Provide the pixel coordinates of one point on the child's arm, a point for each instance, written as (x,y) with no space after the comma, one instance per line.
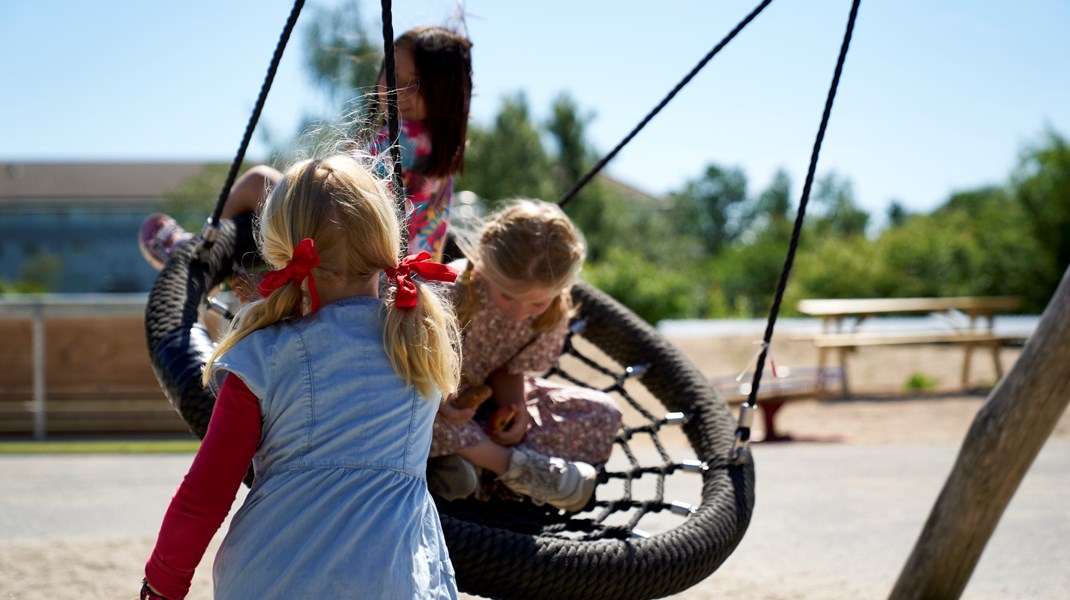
(508,387)
(206,494)
(510,396)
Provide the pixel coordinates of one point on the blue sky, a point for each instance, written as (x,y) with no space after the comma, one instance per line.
(935,97)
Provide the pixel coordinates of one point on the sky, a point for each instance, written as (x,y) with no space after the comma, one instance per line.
(934,98)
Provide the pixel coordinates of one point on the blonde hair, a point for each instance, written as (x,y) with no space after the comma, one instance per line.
(525,242)
(353,223)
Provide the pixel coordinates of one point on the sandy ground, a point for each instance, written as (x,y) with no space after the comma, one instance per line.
(832,520)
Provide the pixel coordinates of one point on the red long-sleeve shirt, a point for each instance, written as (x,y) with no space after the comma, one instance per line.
(206,494)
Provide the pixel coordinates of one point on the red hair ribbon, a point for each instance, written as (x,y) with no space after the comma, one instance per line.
(299,268)
(421,265)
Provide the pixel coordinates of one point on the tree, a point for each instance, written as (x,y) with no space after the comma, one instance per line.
(604,216)
(774,204)
(192,201)
(508,159)
(652,292)
(897,214)
(568,128)
(840,214)
(1006,257)
(713,207)
(341,58)
(1041,184)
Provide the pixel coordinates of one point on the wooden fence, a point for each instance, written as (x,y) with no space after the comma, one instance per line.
(78,365)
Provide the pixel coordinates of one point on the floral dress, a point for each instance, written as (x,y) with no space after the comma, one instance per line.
(570,422)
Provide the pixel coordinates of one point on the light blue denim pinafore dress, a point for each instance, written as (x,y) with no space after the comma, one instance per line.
(339,507)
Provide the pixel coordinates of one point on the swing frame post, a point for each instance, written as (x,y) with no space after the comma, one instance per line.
(1001,444)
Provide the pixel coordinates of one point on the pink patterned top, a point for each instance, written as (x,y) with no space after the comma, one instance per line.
(429,197)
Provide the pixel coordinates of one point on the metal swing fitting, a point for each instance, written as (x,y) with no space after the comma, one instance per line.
(215,305)
(694,466)
(209,235)
(742,441)
(675,418)
(682,508)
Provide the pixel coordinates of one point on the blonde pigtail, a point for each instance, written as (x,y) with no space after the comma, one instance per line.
(468,302)
(423,342)
(284,303)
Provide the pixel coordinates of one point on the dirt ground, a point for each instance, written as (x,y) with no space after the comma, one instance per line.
(833,520)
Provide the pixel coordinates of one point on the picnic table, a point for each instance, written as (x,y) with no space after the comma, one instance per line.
(969,324)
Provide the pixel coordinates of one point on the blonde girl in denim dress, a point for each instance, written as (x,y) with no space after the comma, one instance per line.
(329,388)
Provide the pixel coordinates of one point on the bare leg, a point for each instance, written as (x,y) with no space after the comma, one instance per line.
(250,191)
(488,455)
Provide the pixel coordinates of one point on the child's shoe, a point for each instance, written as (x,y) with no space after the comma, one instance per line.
(451,477)
(158,237)
(561,483)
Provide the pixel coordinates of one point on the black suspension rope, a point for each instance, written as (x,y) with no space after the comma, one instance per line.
(232,175)
(567,197)
(743,434)
(392,116)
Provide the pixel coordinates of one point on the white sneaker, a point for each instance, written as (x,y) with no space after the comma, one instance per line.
(451,477)
(566,485)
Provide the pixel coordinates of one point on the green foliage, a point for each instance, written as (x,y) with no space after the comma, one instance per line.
(652,292)
(773,206)
(192,201)
(1041,185)
(568,129)
(897,214)
(21,287)
(40,274)
(833,268)
(508,159)
(745,276)
(711,249)
(838,213)
(712,208)
(919,382)
(340,56)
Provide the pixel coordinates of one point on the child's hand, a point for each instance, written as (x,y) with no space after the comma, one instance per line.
(508,425)
(457,416)
(471,396)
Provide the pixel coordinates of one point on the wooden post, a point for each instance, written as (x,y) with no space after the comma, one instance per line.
(1001,444)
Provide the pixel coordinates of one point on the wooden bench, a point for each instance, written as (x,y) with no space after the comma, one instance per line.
(773,392)
(841,330)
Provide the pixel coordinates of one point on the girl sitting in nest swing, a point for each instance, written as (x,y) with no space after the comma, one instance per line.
(513,302)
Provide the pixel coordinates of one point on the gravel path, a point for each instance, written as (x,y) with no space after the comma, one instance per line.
(832,521)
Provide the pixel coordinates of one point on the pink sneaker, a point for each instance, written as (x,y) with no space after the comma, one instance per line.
(158,237)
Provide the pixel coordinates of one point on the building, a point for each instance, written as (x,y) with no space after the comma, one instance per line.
(74,225)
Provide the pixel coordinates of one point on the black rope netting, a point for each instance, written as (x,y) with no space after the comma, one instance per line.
(603,550)
(516,549)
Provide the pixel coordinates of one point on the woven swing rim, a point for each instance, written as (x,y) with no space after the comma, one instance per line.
(489,560)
